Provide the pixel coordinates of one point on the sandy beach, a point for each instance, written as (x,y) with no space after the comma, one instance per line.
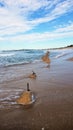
(53,87)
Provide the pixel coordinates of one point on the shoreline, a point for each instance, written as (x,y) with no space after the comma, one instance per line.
(53,87)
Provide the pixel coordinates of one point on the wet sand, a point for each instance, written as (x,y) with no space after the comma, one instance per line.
(53,109)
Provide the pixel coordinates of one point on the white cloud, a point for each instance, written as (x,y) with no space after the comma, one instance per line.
(46,36)
(67,28)
(60,9)
(14,16)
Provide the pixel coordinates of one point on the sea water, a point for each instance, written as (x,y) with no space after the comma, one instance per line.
(14,57)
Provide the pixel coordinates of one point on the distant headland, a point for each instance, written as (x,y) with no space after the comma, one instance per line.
(69,46)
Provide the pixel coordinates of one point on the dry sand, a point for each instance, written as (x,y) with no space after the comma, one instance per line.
(53,109)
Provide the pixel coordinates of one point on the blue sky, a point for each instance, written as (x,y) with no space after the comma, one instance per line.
(35,24)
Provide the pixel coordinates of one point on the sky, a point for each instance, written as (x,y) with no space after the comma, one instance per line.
(35,24)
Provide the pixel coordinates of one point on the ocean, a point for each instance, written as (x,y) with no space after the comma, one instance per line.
(15,57)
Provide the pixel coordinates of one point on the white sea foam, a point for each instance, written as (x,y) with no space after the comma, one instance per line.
(10,100)
(60,55)
(14,90)
(36,61)
(9,97)
(7,54)
(13,103)
(64,52)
